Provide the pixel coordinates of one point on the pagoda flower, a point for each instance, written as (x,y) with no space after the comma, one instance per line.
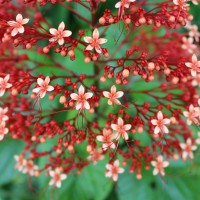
(191,115)
(121,129)
(30,168)
(57,177)
(181,3)
(94,41)
(188,44)
(159,165)
(81,97)
(113,95)
(95,156)
(3,116)
(113,170)
(194,65)
(21,162)
(187,149)
(106,138)
(43,87)
(160,123)
(60,34)
(18,25)
(4,84)
(3,130)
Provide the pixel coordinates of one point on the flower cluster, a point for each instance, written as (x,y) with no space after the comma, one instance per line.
(100,87)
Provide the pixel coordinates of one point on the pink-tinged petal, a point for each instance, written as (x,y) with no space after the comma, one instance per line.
(160,115)
(108,174)
(112,145)
(131,1)
(87,39)
(120,170)
(193,72)
(184,155)
(120,121)
(8,85)
(86,105)
(166,121)
(110,102)
(81,90)
(117,102)
(194,58)
(155,171)
(61,41)
(109,166)
(78,106)
(67,33)
(98,49)
(154,121)
(25,21)
(118,4)
(12,23)
(194,147)
(153,163)
(185,113)
(6,131)
(19,18)
(74,96)
(58,184)
(106,94)
(40,81)
(102,40)
(126,5)
(119,94)
(95,34)
(7,77)
(160,158)
(53,39)
(189,141)
(162,172)
(116,163)
(36,90)
(61,26)
(2,91)
(51,182)
(53,31)
(14,32)
(127,127)
(156,130)
(115,177)
(51,173)
(89,48)
(1,137)
(47,80)
(113,89)
(50,88)
(125,135)
(191,155)
(165,164)
(42,94)
(21,29)
(99,138)
(63,176)
(88,95)
(188,64)
(114,126)
(165,129)
(182,145)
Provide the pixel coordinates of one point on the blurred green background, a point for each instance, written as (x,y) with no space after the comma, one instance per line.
(182,181)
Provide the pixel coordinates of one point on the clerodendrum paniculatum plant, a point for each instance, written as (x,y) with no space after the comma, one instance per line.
(99,77)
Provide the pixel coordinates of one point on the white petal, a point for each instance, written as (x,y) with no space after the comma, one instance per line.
(96,33)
